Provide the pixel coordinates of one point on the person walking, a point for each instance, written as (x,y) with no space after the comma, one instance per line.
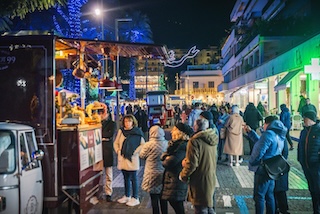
(308,156)
(127,145)
(252,118)
(234,140)
(224,116)
(195,113)
(285,118)
(174,190)
(199,167)
(108,132)
(308,107)
(270,144)
(153,170)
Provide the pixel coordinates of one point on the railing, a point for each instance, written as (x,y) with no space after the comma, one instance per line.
(196,91)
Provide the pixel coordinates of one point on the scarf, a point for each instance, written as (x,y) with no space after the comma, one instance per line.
(132,141)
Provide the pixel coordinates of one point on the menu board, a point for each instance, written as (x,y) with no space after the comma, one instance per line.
(90,147)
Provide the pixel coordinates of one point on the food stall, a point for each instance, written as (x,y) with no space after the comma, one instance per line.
(37,73)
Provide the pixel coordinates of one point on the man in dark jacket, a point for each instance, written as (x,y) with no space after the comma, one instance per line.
(309,157)
(252,117)
(108,131)
(270,144)
(199,167)
(308,107)
(285,118)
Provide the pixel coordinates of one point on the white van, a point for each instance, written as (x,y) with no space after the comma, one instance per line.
(21,182)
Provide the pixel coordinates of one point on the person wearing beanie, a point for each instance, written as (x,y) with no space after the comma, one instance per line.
(285,118)
(174,190)
(308,156)
(234,140)
(199,167)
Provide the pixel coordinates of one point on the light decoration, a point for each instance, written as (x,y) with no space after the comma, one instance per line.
(71,17)
(132,89)
(173,63)
(313,69)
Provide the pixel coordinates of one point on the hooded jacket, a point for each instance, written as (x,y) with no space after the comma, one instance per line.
(151,152)
(200,168)
(270,144)
(285,117)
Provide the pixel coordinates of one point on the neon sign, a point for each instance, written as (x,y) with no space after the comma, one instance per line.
(313,69)
(173,63)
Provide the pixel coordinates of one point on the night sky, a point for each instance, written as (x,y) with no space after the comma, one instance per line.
(185,23)
(182,24)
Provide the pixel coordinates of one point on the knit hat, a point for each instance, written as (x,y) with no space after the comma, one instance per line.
(311,115)
(207,115)
(235,109)
(185,128)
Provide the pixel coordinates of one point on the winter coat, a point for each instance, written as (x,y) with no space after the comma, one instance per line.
(124,163)
(194,115)
(234,139)
(309,146)
(252,116)
(108,131)
(142,119)
(200,168)
(151,152)
(173,188)
(270,144)
(285,117)
(282,184)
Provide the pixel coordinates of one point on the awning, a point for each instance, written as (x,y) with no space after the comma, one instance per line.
(282,85)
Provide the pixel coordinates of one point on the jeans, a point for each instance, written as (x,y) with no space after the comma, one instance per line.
(130,177)
(203,210)
(289,138)
(263,193)
(220,148)
(312,174)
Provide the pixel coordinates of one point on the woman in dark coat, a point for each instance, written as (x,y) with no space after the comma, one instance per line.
(174,190)
(108,131)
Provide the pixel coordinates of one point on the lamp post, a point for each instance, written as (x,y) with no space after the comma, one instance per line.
(117,68)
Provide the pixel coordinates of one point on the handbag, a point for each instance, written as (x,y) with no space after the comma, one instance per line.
(223,131)
(276,166)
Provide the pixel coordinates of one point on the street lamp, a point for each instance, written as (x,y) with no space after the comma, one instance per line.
(117,68)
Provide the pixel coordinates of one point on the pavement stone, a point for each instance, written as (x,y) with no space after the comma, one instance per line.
(233,192)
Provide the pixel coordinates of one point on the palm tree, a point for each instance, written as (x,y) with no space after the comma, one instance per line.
(20,8)
(136,31)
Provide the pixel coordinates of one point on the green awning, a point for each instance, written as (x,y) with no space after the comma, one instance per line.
(282,85)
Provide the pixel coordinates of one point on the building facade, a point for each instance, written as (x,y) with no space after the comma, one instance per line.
(199,84)
(264,57)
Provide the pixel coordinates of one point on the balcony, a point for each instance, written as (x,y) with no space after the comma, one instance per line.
(196,91)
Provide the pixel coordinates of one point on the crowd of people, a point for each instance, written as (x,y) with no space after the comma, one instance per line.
(184,167)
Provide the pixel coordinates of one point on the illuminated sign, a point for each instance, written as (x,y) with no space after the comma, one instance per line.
(173,63)
(313,69)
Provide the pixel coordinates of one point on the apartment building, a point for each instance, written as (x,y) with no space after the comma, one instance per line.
(264,57)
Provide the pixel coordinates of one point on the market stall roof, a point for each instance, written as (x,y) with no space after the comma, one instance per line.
(112,48)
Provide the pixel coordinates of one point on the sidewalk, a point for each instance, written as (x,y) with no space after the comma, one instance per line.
(233,192)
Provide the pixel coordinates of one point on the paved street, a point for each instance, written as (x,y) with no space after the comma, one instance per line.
(233,192)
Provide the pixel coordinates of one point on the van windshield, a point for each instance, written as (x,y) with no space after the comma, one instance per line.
(7,152)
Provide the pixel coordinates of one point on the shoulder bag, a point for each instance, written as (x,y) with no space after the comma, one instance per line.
(276,166)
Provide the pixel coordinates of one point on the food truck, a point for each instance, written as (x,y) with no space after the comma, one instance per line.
(36,106)
(157,108)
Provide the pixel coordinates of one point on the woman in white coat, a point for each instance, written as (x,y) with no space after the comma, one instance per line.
(127,145)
